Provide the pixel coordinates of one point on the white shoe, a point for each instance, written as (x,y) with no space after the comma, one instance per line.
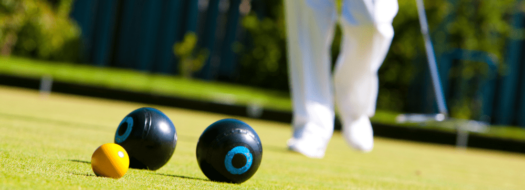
(358,133)
(309,147)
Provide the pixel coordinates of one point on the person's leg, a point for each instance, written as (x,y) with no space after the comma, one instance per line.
(367,34)
(310,25)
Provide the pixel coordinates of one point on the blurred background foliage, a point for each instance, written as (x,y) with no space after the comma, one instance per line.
(42,29)
(39,29)
(191,59)
(479,25)
(263,55)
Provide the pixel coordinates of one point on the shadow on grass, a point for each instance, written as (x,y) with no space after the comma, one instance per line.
(169,175)
(83,174)
(180,176)
(80,161)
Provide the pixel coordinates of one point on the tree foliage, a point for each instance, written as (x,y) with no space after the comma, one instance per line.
(190,60)
(38,28)
(263,55)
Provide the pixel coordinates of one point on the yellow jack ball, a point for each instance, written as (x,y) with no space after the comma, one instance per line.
(110,160)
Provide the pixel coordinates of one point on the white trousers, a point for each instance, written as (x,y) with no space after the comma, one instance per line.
(367,34)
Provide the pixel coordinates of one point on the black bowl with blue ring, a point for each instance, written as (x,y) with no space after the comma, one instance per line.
(149,137)
(229,150)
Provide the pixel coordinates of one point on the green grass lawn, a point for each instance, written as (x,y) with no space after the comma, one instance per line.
(46,143)
(133,80)
(189,88)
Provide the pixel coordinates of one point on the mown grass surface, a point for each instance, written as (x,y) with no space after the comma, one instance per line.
(190,88)
(46,143)
(133,80)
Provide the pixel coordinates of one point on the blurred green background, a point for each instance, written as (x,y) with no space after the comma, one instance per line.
(241,45)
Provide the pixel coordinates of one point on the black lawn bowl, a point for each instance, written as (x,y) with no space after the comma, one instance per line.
(148,136)
(229,150)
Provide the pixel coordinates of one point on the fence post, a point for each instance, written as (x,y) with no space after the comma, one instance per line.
(508,84)
(103,33)
(126,35)
(170,32)
(207,39)
(84,12)
(149,32)
(227,63)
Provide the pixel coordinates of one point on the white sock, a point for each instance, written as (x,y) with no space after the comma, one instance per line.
(358,133)
(308,146)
